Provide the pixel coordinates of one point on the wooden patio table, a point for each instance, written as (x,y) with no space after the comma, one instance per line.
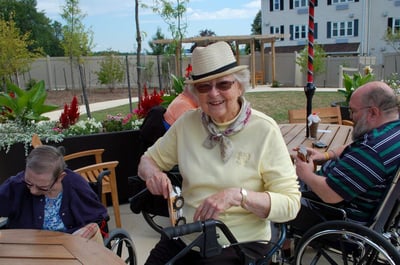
(332,135)
(34,247)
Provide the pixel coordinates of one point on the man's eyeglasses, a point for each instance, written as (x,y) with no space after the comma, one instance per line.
(221,85)
(43,189)
(351,111)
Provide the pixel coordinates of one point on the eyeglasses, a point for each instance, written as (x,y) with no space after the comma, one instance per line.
(206,87)
(351,111)
(30,185)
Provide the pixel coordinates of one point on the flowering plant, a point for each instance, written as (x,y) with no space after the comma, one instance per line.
(120,123)
(147,101)
(351,83)
(70,115)
(12,132)
(394,81)
(21,131)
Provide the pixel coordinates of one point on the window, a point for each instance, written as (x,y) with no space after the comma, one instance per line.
(300,3)
(396,25)
(300,32)
(277,30)
(341,1)
(277,5)
(342,29)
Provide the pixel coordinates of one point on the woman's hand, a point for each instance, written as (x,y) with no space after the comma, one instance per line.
(157,181)
(159,184)
(217,203)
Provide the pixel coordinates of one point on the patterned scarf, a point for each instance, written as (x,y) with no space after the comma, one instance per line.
(216,136)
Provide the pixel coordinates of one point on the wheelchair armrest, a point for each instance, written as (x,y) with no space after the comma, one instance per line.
(3,222)
(328,211)
(99,183)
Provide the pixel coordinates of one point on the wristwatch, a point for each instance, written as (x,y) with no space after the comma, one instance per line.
(243,192)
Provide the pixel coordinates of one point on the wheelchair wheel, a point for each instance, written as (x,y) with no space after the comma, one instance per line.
(119,242)
(157,222)
(341,242)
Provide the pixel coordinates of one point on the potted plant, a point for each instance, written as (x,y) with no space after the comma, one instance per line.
(178,85)
(21,117)
(351,83)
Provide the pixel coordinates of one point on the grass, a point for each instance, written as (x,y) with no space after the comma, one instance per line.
(274,104)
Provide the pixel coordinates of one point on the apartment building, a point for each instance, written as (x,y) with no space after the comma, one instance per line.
(342,27)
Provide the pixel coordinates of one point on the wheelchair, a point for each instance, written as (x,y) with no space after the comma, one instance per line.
(117,240)
(346,242)
(334,241)
(153,208)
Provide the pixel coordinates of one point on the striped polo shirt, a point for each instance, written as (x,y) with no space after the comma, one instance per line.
(362,173)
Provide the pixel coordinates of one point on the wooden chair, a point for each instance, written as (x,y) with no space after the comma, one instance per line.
(92,172)
(259,78)
(348,122)
(328,115)
(96,153)
(104,174)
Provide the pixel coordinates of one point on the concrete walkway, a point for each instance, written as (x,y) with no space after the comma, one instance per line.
(55,115)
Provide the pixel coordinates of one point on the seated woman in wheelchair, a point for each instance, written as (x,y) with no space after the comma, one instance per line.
(233,160)
(47,195)
(357,176)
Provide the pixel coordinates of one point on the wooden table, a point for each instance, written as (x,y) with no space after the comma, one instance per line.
(34,247)
(332,135)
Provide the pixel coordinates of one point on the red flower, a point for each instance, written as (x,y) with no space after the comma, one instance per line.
(188,70)
(148,101)
(70,115)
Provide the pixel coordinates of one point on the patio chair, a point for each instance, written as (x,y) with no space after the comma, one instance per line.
(105,179)
(330,115)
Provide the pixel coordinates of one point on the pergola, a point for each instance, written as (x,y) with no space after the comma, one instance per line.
(237,40)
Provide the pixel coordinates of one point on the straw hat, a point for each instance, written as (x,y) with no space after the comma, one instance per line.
(213,61)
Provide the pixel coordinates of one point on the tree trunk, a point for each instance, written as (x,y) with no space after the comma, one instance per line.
(138,51)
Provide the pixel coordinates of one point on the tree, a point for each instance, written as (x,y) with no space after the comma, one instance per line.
(138,51)
(29,20)
(202,33)
(392,38)
(255,30)
(111,71)
(158,49)
(15,56)
(77,40)
(318,63)
(172,15)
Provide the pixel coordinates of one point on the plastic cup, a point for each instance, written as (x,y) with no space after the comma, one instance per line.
(314,130)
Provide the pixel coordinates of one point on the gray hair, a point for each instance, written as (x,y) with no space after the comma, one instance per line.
(243,77)
(45,159)
(384,99)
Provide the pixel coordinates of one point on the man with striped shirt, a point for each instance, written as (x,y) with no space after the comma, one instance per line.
(356,176)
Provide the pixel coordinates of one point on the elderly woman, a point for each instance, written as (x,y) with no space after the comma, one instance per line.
(234,162)
(47,195)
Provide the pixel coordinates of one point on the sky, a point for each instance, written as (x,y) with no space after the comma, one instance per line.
(113,21)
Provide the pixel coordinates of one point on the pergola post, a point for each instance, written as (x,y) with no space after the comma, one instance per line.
(253,63)
(262,61)
(273,61)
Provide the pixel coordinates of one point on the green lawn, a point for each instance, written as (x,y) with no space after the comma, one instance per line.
(275,104)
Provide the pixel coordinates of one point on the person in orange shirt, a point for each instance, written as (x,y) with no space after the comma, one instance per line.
(183,102)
